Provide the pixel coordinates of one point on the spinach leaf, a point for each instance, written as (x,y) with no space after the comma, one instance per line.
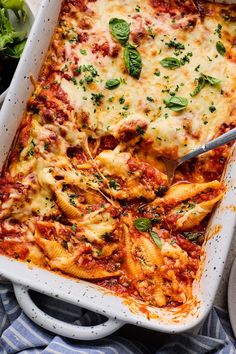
(171,63)
(156,239)
(133,61)
(176,103)
(142,224)
(220,48)
(112,83)
(120,30)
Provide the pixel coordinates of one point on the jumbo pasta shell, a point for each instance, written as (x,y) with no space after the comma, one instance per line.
(61,259)
(183,191)
(70,211)
(194,216)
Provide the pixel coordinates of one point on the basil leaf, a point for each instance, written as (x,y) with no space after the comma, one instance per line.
(176,103)
(201,83)
(113,83)
(133,61)
(220,48)
(120,30)
(171,63)
(211,80)
(142,224)
(156,239)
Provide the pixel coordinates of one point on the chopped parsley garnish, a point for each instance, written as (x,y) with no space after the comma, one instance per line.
(212,108)
(114,185)
(72,200)
(83,51)
(150,99)
(31,148)
(74,227)
(97,98)
(175,45)
(218,30)
(122,100)
(157,72)
(137,8)
(73,79)
(140,130)
(151,33)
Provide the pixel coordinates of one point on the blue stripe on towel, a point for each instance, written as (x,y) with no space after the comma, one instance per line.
(18,334)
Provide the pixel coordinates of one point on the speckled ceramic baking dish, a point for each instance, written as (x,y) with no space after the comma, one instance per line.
(118,310)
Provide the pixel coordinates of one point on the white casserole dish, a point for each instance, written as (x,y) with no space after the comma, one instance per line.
(80,292)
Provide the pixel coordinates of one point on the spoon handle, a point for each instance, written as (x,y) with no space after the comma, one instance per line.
(221,140)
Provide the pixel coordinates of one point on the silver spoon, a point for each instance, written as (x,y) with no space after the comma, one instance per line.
(171,165)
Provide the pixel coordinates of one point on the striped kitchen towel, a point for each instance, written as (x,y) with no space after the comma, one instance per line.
(18,334)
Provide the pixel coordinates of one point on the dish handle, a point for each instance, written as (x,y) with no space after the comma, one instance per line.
(59,327)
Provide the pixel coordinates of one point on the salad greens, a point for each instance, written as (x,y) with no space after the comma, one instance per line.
(11,42)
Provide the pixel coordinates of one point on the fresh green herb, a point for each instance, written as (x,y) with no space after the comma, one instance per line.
(97,98)
(157,72)
(142,224)
(175,45)
(176,103)
(46,146)
(74,227)
(151,33)
(83,51)
(73,79)
(220,48)
(112,83)
(140,130)
(150,99)
(186,59)
(31,148)
(202,81)
(197,68)
(137,8)
(171,63)
(218,30)
(120,30)
(192,236)
(156,239)
(99,252)
(122,100)
(212,108)
(133,61)
(114,185)
(71,200)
